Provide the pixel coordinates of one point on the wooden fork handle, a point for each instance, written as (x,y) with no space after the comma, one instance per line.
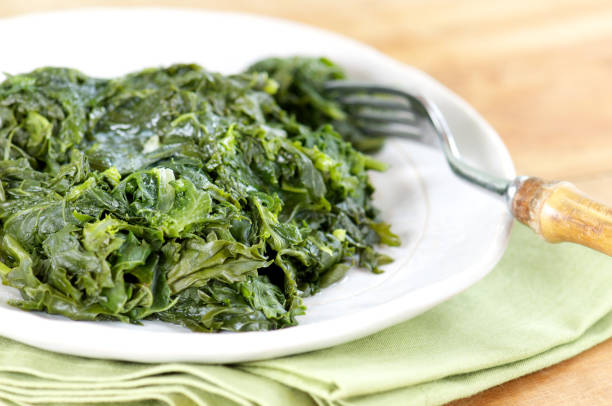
(558,211)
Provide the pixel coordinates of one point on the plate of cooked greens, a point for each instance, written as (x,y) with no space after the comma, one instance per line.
(181,188)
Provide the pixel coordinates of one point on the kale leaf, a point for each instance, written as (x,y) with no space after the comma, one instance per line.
(214,202)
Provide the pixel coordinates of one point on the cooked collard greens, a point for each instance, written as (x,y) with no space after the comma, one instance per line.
(176,194)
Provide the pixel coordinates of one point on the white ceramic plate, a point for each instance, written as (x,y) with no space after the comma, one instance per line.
(452,233)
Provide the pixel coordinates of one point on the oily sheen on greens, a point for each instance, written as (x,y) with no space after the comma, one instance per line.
(214,202)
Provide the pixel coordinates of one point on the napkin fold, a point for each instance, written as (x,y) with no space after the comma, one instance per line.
(541,304)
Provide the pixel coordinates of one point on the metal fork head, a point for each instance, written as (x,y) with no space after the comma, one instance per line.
(380,111)
(390,112)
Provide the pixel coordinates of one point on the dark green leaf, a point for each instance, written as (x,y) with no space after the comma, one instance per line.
(214,202)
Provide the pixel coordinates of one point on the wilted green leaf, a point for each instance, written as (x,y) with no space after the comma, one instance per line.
(214,202)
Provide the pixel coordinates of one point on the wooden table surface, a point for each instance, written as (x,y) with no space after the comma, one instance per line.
(539,71)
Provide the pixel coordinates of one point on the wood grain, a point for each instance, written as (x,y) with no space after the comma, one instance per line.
(539,71)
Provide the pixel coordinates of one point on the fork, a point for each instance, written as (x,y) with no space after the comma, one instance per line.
(557,211)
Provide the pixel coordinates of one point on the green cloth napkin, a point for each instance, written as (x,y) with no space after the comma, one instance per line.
(542,304)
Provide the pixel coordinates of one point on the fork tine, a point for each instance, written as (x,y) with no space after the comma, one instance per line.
(384,118)
(386,130)
(355,87)
(368,101)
